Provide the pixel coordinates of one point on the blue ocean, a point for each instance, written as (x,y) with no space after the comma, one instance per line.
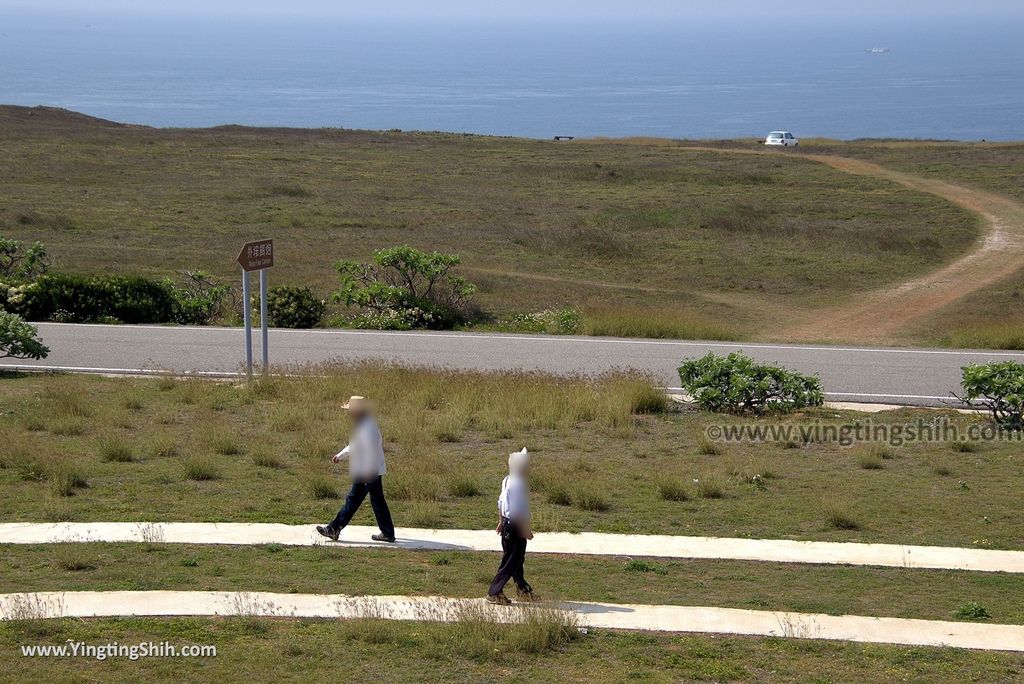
(943,79)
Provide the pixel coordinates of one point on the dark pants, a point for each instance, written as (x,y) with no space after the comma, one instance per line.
(375,488)
(513,546)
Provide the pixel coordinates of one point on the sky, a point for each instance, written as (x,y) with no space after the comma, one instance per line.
(537,9)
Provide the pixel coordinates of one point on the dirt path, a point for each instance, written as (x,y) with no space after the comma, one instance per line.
(877,315)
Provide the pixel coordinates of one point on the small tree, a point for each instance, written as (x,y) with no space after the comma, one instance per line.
(198,299)
(19,340)
(415,289)
(20,262)
(735,384)
(999,389)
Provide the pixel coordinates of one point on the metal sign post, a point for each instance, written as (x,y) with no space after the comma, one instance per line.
(256,256)
(264,327)
(247,317)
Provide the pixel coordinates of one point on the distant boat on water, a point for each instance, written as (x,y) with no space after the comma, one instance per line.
(877,50)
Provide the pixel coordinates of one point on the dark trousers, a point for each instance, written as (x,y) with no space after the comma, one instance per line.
(513,546)
(375,488)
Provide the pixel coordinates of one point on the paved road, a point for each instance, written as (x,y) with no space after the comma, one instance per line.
(879,375)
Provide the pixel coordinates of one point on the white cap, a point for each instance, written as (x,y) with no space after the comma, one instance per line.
(518,461)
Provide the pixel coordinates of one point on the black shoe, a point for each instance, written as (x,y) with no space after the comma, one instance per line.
(328,531)
(498,599)
(382,538)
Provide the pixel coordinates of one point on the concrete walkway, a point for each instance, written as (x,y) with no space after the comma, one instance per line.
(599,615)
(588,543)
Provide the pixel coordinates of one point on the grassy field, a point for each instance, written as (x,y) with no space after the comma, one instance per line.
(645,237)
(609,457)
(313,650)
(610,454)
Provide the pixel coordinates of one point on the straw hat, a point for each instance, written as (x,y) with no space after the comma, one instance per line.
(356,405)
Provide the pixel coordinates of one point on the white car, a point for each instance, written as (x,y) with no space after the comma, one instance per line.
(782,138)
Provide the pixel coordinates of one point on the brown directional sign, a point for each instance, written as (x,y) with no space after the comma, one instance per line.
(256,256)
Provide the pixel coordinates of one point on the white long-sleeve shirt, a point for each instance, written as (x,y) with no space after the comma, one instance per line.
(514,501)
(365,451)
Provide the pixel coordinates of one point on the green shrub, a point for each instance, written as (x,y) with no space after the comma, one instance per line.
(76,299)
(972,611)
(735,384)
(19,340)
(294,307)
(999,389)
(406,288)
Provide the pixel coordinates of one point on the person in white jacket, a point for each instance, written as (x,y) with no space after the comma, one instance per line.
(365,454)
(515,528)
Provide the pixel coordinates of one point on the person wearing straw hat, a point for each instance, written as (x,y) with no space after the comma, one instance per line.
(365,454)
(515,528)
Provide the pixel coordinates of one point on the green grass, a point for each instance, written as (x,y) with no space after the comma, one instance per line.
(645,238)
(331,650)
(603,460)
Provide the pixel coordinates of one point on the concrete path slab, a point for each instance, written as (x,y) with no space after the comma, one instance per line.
(587,543)
(598,615)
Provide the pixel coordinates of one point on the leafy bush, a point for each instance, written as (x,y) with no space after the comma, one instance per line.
(972,611)
(294,307)
(73,298)
(999,389)
(18,262)
(19,340)
(406,288)
(198,299)
(735,384)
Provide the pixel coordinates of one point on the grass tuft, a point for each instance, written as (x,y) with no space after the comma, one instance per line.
(868,459)
(710,488)
(838,517)
(673,490)
(637,565)
(322,487)
(66,479)
(200,470)
(463,486)
(114,449)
